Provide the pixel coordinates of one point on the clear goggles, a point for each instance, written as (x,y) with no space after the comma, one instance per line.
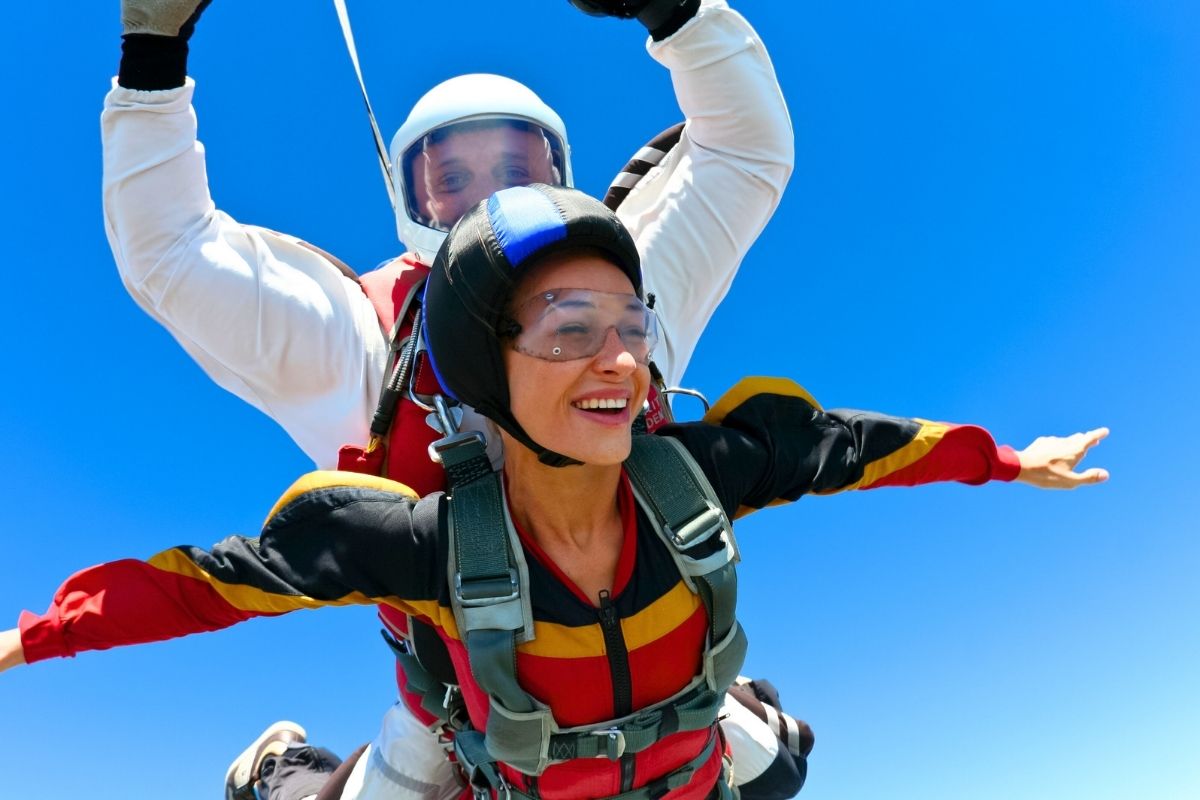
(454,166)
(567,324)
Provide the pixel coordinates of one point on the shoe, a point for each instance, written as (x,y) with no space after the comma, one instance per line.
(246,769)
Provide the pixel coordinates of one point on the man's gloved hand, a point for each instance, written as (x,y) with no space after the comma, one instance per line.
(625,9)
(661,17)
(154,46)
(174,18)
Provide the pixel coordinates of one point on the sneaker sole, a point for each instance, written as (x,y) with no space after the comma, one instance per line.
(238,776)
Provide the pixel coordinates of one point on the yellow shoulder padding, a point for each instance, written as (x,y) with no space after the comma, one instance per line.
(746,388)
(329,478)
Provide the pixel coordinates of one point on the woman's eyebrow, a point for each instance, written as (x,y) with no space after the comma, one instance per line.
(573,303)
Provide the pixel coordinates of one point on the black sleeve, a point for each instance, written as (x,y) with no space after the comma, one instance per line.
(333,539)
(768,440)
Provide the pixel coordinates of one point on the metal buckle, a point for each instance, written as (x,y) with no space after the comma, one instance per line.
(615,743)
(504,790)
(476,592)
(699,528)
(439,446)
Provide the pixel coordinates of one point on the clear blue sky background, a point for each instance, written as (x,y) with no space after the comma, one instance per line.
(993,219)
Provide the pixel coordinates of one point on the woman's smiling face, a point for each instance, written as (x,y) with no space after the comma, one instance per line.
(582,408)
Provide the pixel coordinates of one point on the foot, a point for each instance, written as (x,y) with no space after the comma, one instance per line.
(246,769)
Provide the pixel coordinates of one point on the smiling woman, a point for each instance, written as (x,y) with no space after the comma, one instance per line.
(586,596)
(583,362)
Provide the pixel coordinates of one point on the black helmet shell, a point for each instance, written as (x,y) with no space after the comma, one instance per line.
(473,276)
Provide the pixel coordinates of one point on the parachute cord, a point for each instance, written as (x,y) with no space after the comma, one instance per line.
(385,163)
(392,392)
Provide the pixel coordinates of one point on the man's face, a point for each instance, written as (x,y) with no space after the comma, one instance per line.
(466,166)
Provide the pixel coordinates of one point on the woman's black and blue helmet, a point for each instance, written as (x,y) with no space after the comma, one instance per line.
(473,277)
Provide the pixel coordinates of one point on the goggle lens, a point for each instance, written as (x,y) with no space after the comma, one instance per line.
(568,324)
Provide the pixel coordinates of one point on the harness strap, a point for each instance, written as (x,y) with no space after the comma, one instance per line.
(472,755)
(688,515)
(693,713)
(486,571)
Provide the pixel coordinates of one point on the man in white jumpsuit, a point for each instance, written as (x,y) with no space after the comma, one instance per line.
(281,326)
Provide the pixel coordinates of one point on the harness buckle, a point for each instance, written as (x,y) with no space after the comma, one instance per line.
(448,443)
(615,743)
(476,592)
(503,791)
(698,529)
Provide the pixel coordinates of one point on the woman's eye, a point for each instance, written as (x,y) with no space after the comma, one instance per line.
(635,334)
(573,329)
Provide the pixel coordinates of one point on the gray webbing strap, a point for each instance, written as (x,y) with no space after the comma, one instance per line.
(469,745)
(675,493)
(688,513)
(695,711)
(486,581)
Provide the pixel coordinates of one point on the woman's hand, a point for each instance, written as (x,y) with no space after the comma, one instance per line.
(12,654)
(1049,463)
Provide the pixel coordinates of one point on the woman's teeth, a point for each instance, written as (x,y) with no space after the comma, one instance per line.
(594,403)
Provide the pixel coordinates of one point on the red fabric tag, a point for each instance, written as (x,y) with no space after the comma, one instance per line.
(656,411)
(352,458)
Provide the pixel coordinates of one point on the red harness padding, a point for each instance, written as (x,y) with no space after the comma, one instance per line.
(403,454)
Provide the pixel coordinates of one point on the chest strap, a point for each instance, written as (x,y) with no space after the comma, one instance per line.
(471,752)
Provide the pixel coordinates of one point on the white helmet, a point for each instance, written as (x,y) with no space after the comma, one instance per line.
(460,104)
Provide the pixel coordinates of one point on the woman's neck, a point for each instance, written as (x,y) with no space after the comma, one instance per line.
(559,503)
(561,507)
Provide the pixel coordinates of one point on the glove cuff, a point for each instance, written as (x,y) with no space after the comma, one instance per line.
(664,17)
(152,63)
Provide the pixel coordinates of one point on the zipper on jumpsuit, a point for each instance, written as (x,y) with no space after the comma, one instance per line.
(618,664)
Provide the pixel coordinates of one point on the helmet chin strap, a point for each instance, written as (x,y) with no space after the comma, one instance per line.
(508,422)
(380,149)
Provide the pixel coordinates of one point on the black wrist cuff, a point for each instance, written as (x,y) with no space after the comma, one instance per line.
(151,63)
(664,17)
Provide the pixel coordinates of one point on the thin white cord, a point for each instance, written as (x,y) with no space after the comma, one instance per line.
(385,165)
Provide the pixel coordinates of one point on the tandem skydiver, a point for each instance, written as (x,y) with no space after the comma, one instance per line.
(597,558)
(284,327)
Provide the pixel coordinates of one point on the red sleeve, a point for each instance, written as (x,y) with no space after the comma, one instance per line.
(964,453)
(367,521)
(120,603)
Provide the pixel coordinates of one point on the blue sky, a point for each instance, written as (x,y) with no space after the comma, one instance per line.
(993,219)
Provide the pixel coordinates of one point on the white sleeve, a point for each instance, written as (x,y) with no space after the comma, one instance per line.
(266,317)
(696,214)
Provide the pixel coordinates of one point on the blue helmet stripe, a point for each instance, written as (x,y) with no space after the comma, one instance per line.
(437,373)
(524,220)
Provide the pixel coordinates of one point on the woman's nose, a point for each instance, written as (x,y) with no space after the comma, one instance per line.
(614,356)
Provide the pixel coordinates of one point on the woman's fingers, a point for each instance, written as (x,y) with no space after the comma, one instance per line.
(1049,462)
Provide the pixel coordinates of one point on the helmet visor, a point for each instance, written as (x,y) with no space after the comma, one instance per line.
(568,324)
(454,166)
